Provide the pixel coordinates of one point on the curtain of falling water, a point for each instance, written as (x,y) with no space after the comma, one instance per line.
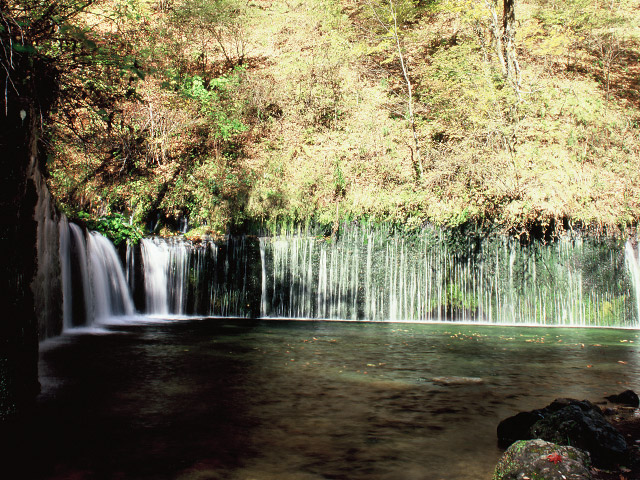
(374,273)
(367,273)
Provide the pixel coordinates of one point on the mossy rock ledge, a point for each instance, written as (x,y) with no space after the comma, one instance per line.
(541,460)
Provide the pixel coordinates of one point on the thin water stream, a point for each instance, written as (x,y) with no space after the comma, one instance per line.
(273,399)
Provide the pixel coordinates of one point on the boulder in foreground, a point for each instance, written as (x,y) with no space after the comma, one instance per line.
(568,422)
(536,459)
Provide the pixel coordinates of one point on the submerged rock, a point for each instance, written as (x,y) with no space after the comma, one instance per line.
(536,459)
(457,380)
(568,422)
(628,398)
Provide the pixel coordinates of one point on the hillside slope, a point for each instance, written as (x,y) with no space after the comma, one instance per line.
(296,110)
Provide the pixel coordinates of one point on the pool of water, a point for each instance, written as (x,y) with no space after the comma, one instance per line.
(260,400)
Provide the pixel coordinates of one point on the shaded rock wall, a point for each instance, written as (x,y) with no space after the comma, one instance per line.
(18,262)
(29,87)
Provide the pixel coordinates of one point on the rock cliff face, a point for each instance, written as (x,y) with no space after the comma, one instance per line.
(18,199)
(29,89)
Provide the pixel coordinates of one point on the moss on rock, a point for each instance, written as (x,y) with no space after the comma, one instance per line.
(541,460)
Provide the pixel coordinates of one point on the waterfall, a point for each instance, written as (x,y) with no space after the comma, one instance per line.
(109,287)
(380,274)
(130,262)
(263,278)
(367,273)
(156,278)
(186,278)
(166,268)
(632,258)
(80,249)
(183,225)
(94,287)
(65,273)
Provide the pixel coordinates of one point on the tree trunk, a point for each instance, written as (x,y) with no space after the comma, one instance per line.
(496,36)
(417,160)
(509,45)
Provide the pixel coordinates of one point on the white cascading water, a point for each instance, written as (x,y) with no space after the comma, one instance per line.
(263,277)
(632,258)
(111,296)
(156,279)
(65,273)
(182,277)
(375,274)
(367,274)
(166,269)
(94,287)
(80,250)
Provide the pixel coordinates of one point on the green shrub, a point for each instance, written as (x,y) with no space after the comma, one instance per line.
(217,102)
(114,226)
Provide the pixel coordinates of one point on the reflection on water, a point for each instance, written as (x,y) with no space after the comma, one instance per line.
(240,399)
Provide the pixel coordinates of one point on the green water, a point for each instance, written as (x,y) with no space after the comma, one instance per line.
(241,399)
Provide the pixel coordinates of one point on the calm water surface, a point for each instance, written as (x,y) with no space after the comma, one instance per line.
(263,400)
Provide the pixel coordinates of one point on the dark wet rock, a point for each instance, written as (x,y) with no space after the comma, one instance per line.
(628,397)
(560,403)
(517,427)
(536,459)
(586,429)
(569,422)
